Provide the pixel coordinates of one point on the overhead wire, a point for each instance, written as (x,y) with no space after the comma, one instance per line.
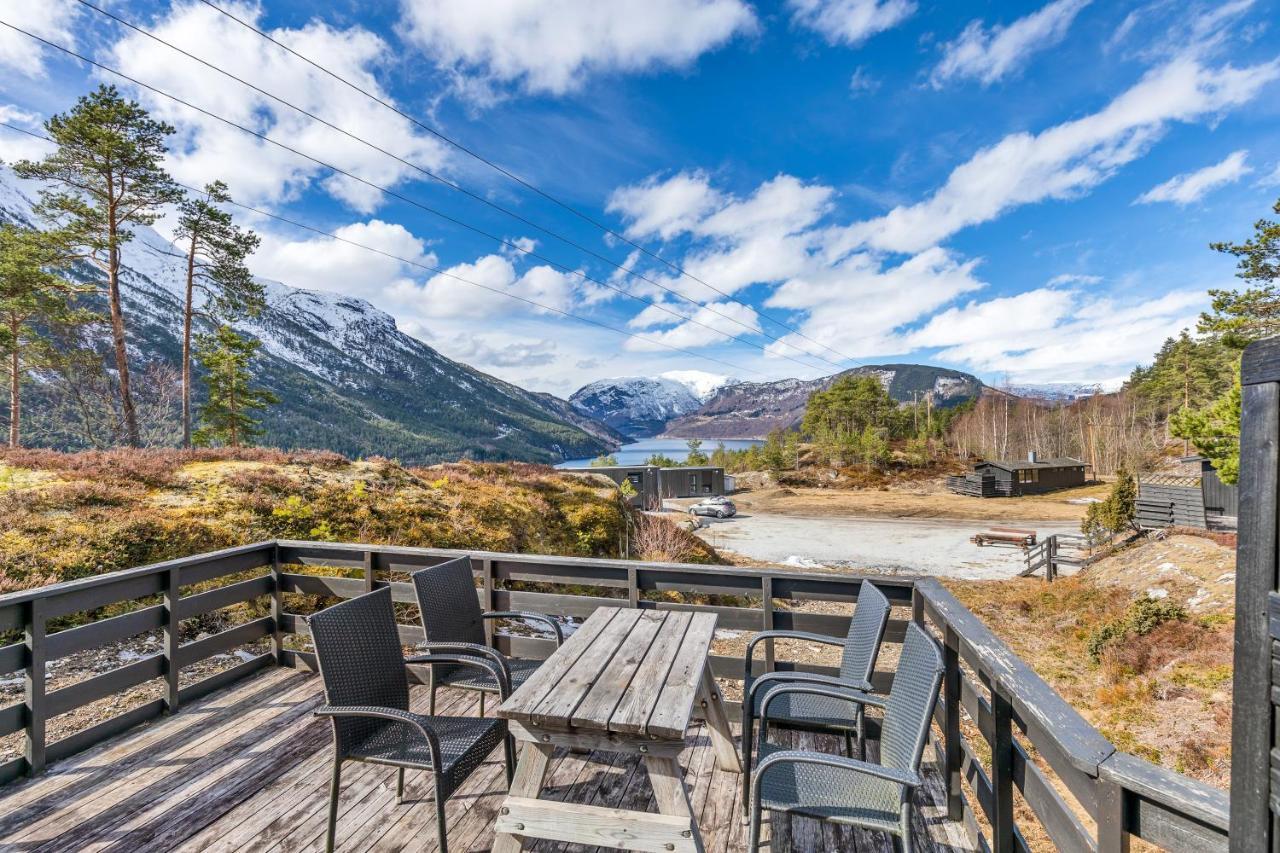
(494,205)
(437,271)
(519,180)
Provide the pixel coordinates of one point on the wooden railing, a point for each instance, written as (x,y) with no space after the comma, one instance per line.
(1000,727)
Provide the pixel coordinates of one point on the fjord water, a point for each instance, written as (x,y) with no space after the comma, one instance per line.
(637,452)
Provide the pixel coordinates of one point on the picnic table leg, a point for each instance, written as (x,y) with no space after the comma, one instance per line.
(671,794)
(727,757)
(531,770)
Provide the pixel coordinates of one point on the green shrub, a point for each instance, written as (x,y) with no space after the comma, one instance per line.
(1143,616)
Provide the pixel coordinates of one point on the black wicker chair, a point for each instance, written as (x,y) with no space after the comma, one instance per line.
(366,692)
(816,712)
(846,790)
(454,624)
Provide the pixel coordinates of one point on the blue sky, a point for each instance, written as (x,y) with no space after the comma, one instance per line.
(1022,190)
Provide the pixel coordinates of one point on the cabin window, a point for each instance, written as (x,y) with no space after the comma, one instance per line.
(1029,475)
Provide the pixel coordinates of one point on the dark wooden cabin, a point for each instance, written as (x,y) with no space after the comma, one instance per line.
(1010,478)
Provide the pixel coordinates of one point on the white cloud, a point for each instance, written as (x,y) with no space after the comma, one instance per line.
(16,146)
(1074,278)
(989,55)
(1190,187)
(850,22)
(258,171)
(490,351)
(1057,335)
(1063,161)
(1270,180)
(321,263)
(712,324)
(666,207)
(862,82)
(553,46)
(50,19)
(446,296)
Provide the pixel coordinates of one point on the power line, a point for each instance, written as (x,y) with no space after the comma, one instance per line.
(437,271)
(399,196)
(482,200)
(521,181)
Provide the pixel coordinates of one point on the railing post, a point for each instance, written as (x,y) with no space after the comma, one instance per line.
(953,756)
(486,569)
(1113,830)
(917,606)
(1002,823)
(277,608)
(766,604)
(34,687)
(368,571)
(633,587)
(172,639)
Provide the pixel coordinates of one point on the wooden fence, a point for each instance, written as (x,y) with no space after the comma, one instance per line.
(1000,728)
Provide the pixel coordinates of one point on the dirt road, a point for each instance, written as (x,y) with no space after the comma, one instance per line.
(938,547)
(929,501)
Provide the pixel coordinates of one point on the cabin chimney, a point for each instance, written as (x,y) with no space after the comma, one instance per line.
(1031,456)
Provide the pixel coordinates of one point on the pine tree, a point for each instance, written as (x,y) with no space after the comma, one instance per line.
(106,176)
(696,456)
(216,253)
(1215,431)
(34,296)
(227,419)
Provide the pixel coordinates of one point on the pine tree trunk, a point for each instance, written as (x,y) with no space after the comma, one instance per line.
(132,435)
(15,386)
(188,308)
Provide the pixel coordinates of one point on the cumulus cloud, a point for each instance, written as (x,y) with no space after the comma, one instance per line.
(990,54)
(50,19)
(16,146)
(1057,334)
(445,295)
(709,324)
(1065,160)
(1190,187)
(850,22)
(257,171)
(554,46)
(486,352)
(1270,180)
(321,263)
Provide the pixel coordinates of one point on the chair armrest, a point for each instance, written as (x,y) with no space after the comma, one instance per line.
(825,639)
(846,695)
(526,614)
(499,672)
(905,778)
(417,721)
(774,679)
(473,649)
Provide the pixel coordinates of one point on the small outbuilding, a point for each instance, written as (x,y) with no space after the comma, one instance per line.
(643,478)
(1011,478)
(654,485)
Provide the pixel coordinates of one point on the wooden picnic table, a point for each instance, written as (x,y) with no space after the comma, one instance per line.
(626,681)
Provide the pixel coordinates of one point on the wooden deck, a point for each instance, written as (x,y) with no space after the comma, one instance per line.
(248,769)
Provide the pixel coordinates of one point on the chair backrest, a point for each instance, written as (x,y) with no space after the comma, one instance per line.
(448,602)
(866,631)
(361,661)
(909,708)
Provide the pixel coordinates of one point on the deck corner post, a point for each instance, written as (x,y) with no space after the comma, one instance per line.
(917,606)
(953,755)
(34,687)
(633,587)
(486,578)
(172,639)
(1113,818)
(1002,818)
(368,571)
(277,608)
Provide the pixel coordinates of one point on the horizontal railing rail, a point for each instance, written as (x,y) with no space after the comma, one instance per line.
(1000,727)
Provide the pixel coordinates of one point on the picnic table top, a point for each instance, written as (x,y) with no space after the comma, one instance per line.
(624,670)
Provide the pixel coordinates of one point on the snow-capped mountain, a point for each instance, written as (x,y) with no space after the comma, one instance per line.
(753,409)
(636,406)
(1058,392)
(703,385)
(349,380)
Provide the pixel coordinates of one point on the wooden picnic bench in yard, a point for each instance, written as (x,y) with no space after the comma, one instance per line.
(626,681)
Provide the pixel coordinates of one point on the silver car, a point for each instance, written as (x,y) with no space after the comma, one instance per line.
(719,507)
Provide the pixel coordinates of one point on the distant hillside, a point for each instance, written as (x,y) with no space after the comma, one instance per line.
(753,409)
(349,380)
(636,406)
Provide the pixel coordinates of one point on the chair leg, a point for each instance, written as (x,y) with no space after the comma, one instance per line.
(753,842)
(848,744)
(334,784)
(441,832)
(746,756)
(482,703)
(431,704)
(509,752)
(861,719)
(905,823)
(399,785)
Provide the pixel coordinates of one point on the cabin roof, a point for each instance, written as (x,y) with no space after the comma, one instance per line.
(1023,464)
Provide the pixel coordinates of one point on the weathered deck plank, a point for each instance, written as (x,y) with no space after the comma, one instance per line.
(247,769)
